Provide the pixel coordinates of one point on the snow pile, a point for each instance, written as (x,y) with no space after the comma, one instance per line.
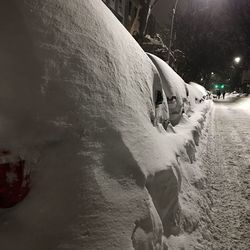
(233,94)
(77,97)
(241,103)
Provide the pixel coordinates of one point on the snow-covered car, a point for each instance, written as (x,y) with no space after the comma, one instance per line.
(234,94)
(164,118)
(201,90)
(195,95)
(159,99)
(174,88)
(161,115)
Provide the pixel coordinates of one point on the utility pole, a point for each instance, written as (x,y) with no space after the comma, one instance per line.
(172,30)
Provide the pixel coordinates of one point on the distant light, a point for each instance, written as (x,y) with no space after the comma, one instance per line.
(237,59)
(202,79)
(212,73)
(219,86)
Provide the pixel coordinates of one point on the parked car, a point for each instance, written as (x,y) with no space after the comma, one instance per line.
(201,90)
(161,111)
(195,95)
(174,89)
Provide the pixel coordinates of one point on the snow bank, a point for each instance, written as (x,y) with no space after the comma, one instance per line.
(77,96)
(239,103)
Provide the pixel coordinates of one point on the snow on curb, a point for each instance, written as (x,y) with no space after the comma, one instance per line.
(167,187)
(194,203)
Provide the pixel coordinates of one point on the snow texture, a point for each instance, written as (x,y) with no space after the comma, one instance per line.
(226,162)
(77,97)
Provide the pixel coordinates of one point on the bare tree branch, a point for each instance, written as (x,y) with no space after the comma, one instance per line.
(154,4)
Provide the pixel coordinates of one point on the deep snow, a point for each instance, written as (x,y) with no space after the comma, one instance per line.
(76,102)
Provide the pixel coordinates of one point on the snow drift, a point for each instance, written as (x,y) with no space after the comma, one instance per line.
(77,96)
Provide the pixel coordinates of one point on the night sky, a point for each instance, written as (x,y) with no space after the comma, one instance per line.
(210,32)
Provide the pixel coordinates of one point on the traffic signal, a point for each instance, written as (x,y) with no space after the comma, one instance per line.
(219,86)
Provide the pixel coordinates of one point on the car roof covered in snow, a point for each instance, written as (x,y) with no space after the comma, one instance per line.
(173,84)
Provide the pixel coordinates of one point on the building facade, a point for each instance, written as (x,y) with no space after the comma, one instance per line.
(126,11)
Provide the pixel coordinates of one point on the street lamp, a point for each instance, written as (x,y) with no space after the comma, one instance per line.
(236,73)
(237,59)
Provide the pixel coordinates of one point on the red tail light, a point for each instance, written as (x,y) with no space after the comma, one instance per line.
(14,179)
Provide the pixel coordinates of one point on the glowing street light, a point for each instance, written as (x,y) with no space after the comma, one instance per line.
(237,59)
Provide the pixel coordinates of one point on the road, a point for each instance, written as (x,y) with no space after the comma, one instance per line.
(226,161)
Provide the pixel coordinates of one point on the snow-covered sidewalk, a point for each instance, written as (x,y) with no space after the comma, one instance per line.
(226,162)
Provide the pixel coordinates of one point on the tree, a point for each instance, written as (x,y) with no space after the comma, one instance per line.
(140,22)
(240,11)
(206,34)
